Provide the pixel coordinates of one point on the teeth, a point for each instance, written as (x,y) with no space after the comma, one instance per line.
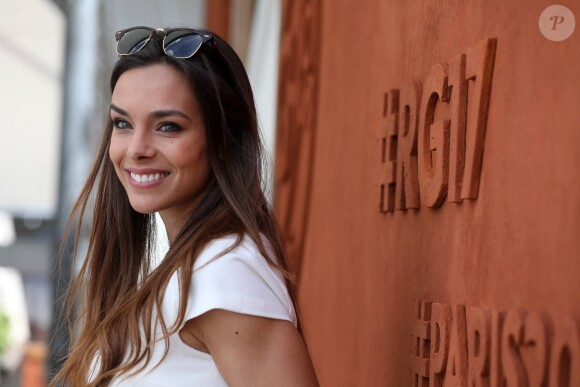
(147,178)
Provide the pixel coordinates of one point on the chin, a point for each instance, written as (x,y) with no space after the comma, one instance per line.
(144,208)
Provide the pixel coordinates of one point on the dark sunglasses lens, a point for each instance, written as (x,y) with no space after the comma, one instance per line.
(182,44)
(132,41)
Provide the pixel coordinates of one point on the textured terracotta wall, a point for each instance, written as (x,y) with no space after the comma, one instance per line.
(485,283)
(218,17)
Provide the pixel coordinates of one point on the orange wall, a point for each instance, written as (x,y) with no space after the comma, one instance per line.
(509,258)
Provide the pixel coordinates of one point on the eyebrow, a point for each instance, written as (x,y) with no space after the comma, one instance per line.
(156,114)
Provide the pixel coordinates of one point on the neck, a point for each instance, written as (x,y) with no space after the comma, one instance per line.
(173,224)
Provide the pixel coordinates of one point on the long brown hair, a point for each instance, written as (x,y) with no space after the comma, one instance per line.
(120,290)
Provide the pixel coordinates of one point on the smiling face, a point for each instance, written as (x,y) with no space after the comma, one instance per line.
(158,144)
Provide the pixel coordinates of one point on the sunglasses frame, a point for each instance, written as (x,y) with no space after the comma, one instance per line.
(205,37)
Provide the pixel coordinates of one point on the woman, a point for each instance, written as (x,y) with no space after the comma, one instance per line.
(182,140)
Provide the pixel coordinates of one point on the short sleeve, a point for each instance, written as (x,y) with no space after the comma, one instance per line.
(240,281)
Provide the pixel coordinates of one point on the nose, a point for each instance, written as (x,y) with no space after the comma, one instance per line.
(141,146)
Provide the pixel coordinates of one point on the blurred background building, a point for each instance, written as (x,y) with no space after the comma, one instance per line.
(32,57)
(56,57)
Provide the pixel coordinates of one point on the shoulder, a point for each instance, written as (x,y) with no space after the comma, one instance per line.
(240,279)
(224,249)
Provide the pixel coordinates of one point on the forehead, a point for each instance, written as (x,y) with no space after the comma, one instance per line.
(153,87)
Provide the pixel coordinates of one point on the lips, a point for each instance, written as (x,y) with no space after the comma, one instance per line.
(146,177)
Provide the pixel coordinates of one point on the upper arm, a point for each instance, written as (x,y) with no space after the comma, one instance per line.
(239,310)
(254,351)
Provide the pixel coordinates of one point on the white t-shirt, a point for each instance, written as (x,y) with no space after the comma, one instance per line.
(240,281)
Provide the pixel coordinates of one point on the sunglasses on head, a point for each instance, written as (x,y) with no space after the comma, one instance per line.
(180,43)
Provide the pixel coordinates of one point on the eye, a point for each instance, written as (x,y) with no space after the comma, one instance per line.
(169,127)
(121,124)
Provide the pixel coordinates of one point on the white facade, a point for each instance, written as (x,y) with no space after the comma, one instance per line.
(32,38)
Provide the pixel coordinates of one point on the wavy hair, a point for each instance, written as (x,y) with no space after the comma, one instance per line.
(119,291)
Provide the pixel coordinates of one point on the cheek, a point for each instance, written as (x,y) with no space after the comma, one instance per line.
(115,154)
(192,158)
